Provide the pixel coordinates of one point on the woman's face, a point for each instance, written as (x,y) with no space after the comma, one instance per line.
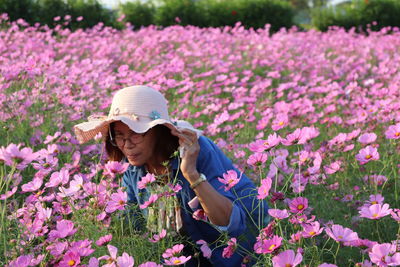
(137,154)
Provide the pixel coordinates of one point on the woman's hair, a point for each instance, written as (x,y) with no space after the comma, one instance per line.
(166,143)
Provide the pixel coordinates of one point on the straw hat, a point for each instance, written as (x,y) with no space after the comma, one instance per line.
(139,107)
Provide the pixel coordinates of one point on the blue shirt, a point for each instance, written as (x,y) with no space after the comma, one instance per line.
(248,213)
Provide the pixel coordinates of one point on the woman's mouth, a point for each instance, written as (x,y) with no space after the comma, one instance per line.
(133,156)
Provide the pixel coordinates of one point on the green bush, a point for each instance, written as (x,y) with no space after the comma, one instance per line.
(138,13)
(24,9)
(361,14)
(184,12)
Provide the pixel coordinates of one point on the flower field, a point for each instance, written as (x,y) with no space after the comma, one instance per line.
(313,118)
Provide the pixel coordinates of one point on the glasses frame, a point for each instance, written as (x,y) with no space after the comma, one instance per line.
(114,142)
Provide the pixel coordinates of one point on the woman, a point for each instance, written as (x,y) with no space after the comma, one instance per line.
(138,129)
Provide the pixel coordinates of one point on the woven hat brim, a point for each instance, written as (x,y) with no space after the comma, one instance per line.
(88,130)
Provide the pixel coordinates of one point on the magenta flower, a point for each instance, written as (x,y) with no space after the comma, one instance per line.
(147,179)
(385,255)
(270,245)
(286,259)
(333,167)
(153,198)
(64,228)
(150,264)
(257,159)
(230,249)
(375,211)
(279,214)
(70,259)
(124,261)
(327,265)
(33,185)
(367,154)
(393,132)
(204,248)
(341,234)
(56,178)
(367,138)
(199,215)
(82,247)
(104,240)
(298,204)
(177,260)
(263,190)
(118,201)
(395,213)
(112,168)
(230,179)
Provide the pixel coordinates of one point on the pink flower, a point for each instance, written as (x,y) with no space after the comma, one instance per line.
(112,168)
(204,248)
(104,240)
(393,132)
(280,122)
(375,211)
(230,179)
(147,179)
(311,229)
(124,261)
(367,154)
(263,190)
(341,234)
(230,249)
(177,260)
(200,214)
(272,141)
(158,237)
(270,245)
(174,251)
(367,138)
(257,159)
(150,264)
(56,178)
(395,213)
(298,204)
(64,228)
(385,255)
(70,259)
(287,258)
(333,167)
(327,265)
(33,185)
(279,214)
(118,201)
(13,155)
(153,198)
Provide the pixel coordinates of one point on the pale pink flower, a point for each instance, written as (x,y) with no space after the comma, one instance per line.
(311,229)
(375,199)
(204,248)
(177,260)
(279,214)
(112,168)
(367,138)
(200,215)
(56,178)
(150,264)
(341,234)
(174,251)
(263,190)
(375,211)
(125,260)
(367,154)
(385,255)
(147,179)
(33,185)
(286,259)
(117,202)
(333,167)
(13,155)
(327,265)
(395,213)
(230,179)
(64,228)
(70,259)
(393,132)
(375,179)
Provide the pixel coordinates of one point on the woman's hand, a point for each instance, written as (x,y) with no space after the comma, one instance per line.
(188,141)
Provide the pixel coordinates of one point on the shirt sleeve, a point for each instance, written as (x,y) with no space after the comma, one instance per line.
(213,164)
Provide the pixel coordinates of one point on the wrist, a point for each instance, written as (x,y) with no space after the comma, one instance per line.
(192,176)
(202,178)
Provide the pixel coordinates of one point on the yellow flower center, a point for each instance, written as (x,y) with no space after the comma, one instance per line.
(281,123)
(374,202)
(340,237)
(271,247)
(71,262)
(288,265)
(300,207)
(311,233)
(177,261)
(375,215)
(368,156)
(397,134)
(121,202)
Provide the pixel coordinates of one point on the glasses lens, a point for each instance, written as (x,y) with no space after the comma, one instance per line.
(136,138)
(133,138)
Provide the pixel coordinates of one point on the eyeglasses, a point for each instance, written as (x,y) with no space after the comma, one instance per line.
(120,140)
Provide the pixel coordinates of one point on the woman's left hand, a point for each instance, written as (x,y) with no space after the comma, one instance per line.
(188,141)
